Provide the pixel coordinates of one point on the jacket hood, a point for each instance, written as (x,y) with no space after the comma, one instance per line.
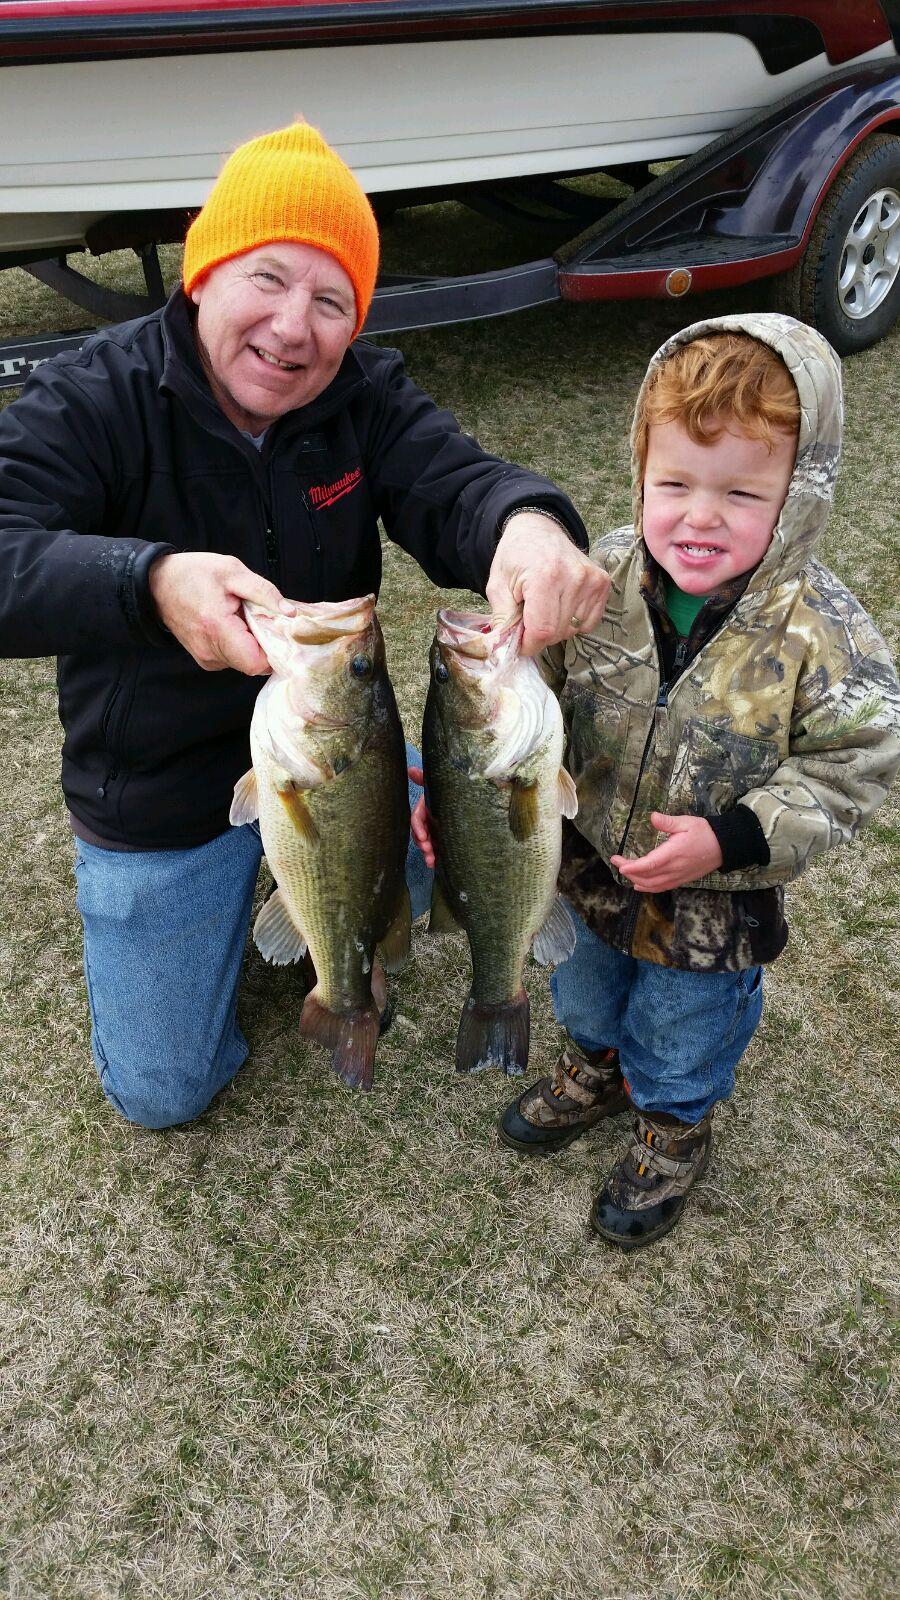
(816,371)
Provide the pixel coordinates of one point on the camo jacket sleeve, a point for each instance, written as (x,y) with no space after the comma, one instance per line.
(844,743)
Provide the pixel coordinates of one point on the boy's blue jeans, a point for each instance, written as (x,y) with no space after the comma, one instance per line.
(679,1034)
(164,939)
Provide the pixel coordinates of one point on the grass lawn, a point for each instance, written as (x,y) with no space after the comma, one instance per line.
(320,1345)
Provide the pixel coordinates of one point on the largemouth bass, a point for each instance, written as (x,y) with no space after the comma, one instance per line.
(328,784)
(496,789)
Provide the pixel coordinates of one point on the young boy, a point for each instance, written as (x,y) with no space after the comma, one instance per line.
(735,703)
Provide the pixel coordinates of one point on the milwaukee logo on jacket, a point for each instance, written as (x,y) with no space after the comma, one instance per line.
(325,494)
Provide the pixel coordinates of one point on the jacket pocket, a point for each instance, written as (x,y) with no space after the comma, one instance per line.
(715,766)
(108,714)
(117,711)
(598,735)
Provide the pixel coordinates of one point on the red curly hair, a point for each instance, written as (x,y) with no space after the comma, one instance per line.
(723,380)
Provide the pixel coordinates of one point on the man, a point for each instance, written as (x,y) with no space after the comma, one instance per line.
(231,447)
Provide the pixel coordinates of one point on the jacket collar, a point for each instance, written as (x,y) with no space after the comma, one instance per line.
(712,613)
(183,375)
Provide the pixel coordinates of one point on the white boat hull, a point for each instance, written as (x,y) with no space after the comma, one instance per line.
(87,139)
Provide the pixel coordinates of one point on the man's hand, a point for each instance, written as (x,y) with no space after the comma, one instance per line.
(538,573)
(420,821)
(198,598)
(690,851)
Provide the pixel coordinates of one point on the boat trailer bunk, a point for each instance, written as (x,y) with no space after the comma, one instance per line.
(741,208)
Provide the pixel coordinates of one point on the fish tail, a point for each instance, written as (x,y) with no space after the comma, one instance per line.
(351,1036)
(494,1036)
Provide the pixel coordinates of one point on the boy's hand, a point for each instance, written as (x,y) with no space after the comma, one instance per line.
(690,851)
(420,821)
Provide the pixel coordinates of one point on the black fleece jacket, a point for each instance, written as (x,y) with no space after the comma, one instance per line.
(117,454)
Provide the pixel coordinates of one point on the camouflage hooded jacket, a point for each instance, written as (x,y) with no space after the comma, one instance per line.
(787,704)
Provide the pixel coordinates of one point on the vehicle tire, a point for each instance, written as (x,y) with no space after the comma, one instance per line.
(847,282)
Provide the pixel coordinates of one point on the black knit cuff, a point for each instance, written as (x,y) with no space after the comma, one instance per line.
(742,840)
(137,601)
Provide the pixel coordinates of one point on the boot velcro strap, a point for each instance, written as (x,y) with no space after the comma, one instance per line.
(564,1086)
(577,1068)
(655,1161)
(646,1153)
(569,1098)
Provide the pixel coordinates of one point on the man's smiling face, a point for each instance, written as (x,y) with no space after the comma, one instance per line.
(272,329)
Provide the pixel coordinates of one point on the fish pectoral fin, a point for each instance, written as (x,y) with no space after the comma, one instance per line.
(394,947)
(293,798)
(523,810)
(379,984)
(276,934)
(245,805)
(555,940)
(442,918)
(566,794)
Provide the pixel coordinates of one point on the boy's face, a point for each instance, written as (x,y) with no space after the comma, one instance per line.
(710,509)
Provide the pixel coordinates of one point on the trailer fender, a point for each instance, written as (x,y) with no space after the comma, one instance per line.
(752,194)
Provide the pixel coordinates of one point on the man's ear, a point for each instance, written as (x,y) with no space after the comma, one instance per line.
(196,293)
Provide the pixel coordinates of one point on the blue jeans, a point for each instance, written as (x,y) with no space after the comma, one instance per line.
(679,1034)
(164,939)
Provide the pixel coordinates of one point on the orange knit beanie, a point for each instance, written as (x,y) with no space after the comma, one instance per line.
(287,185)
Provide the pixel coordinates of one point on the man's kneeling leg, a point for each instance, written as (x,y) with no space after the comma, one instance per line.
(164,937)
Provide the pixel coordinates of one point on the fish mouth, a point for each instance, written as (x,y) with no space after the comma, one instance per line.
(473,636)
(320,622)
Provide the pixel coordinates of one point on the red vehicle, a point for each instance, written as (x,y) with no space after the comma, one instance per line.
(776,124)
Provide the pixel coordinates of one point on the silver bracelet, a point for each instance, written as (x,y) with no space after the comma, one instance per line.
(541,511)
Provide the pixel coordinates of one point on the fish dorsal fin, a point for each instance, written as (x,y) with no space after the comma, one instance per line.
(442,919)
(555,941)
(293,799)
(523,810)
(245,805)
(276,934)
(566,794)
(394,947)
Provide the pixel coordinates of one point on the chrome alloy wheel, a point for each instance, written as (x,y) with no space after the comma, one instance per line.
(870,258)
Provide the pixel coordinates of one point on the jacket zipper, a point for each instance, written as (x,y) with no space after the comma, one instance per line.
(662,704)
(271,538)
(273,559)
(317,548)
(105,724)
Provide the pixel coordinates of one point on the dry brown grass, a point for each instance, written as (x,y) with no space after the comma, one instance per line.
(323,1346)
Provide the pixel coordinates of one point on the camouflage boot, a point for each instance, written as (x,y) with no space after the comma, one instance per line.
(644,1195)
(584,1086)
